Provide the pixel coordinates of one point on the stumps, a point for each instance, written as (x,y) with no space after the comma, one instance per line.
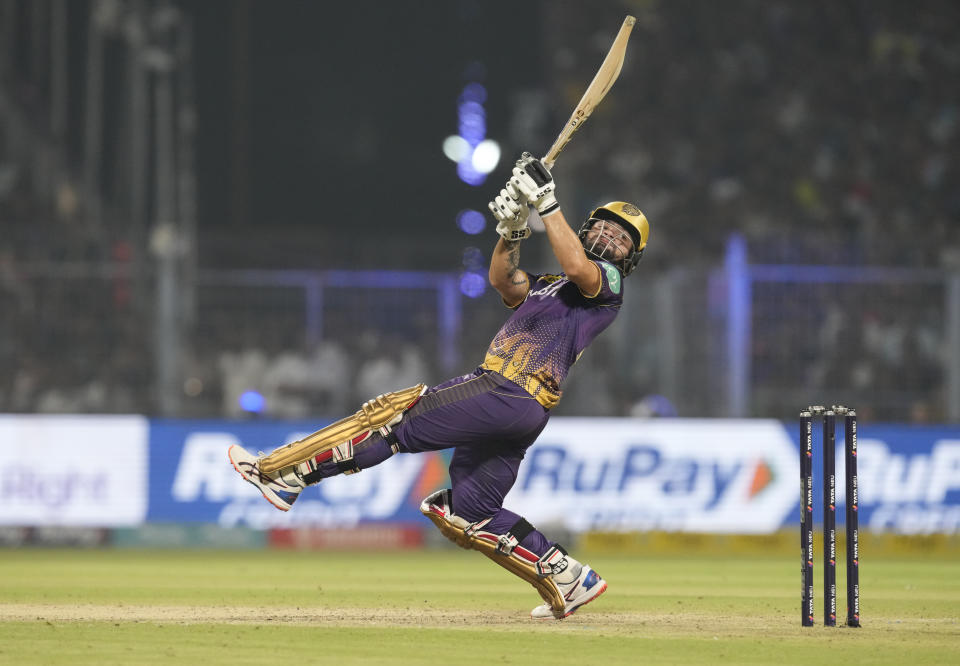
(829,498)
(806,518)
(853,521)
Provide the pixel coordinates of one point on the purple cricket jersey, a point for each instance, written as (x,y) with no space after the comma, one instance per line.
(550,329)
(488,416)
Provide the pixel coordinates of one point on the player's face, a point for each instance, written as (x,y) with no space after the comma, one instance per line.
(609,240)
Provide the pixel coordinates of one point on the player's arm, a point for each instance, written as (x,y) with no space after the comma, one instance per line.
(535,183)
(569,252)
(510,210)
(505,273)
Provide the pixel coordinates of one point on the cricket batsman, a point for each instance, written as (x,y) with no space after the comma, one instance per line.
(492,415)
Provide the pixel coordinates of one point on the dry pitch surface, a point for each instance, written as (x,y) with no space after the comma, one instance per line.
(450,607)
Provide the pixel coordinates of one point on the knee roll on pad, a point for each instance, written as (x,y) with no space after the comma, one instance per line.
(504,549)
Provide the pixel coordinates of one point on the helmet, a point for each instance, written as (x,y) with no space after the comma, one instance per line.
(631,219)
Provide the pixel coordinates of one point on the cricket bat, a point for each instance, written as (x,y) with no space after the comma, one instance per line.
(598,88)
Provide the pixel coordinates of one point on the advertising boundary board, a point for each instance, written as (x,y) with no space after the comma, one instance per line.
(720,476)
(75,471)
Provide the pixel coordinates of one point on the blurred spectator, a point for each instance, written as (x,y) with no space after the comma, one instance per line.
(390,365)
(240,372)
(826,133)
(329,378)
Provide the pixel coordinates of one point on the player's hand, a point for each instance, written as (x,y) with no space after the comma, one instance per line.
(535,183)
(511,211)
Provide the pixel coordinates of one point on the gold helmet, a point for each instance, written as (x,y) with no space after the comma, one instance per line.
(631,219)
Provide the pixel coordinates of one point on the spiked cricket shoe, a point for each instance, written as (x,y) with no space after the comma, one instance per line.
(584,589)
(280,488)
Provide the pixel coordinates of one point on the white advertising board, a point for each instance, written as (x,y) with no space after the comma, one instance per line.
(73,470)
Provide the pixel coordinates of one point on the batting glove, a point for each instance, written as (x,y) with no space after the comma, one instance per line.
(511,211)
(535,183)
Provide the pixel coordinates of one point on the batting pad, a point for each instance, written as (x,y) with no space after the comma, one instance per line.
(503,549)
(378,414)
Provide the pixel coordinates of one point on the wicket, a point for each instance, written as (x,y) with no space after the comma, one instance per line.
(829,416)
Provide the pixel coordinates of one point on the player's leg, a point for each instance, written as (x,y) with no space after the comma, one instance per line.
(578,583)
(564,583)
(347,446)
(282,487)
(480,482)
(469,410)
(481,474)
(412,420)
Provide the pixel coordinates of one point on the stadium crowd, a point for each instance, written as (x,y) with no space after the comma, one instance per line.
(737,126)
(825,132)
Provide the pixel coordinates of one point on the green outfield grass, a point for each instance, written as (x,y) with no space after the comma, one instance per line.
(452,607)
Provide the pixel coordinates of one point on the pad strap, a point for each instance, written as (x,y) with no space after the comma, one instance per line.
(391,438)
(520,530)
(343,458)
(505,542)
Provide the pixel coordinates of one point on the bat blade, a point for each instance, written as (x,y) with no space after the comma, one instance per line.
(596,91)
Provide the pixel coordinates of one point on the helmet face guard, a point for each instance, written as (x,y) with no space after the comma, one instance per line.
(630,220)
(603,247)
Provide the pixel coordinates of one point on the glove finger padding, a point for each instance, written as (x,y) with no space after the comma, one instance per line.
(498,209)
(512,218)
(524,183)
(514,193)
(510,202)
(505,209)
(511,211)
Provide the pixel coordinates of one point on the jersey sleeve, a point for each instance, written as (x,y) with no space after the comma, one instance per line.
(611,285)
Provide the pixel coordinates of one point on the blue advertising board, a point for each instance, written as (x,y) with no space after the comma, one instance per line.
(909,477)
(698,475)
(191,479)
(694,475)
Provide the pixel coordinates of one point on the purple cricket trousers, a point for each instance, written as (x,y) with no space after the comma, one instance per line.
(490,422)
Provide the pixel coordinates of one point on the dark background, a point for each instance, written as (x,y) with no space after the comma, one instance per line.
(322,118)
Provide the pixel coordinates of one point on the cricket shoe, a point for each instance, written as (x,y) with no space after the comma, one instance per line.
(582,590)
(280,488)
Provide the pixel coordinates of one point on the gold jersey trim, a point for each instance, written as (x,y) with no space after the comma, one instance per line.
(529,383)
